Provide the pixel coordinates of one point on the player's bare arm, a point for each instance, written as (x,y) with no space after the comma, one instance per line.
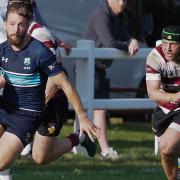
(2,81)
(85,124)
(157,94)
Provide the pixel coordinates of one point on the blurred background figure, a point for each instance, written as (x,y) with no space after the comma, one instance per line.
(108,27)
(150,16)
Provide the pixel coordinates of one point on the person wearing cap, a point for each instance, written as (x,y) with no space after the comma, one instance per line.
(163,86)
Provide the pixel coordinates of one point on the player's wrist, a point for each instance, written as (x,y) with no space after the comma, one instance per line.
(171,99)
(82,115)
(61,44)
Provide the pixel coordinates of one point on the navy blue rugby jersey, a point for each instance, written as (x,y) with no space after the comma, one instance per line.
(26,73)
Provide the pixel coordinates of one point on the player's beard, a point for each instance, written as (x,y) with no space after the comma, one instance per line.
(16,39)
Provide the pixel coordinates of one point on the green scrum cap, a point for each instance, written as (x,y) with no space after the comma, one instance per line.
(171,34)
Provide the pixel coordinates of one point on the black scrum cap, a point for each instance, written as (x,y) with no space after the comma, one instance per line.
(171,34)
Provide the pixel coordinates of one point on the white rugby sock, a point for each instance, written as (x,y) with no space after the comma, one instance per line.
(6,174)
(26,151)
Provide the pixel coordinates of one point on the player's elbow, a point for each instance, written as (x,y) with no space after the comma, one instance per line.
(151,96)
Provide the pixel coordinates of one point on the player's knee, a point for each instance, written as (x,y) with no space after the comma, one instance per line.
(3,165)
(39,158)
(166,149)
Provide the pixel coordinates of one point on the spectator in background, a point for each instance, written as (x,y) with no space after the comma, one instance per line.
(163,85)
(108,27)
(141,18)
(150,17)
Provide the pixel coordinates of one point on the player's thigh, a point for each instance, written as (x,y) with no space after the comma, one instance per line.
(11,147)
(171,141)
(2,130)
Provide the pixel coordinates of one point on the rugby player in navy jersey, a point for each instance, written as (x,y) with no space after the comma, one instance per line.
(26,64)
(55,116)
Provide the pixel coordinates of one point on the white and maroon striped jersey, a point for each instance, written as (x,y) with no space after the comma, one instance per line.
(42,34)
(167,72)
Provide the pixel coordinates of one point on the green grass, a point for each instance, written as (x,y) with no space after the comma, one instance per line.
(134,141)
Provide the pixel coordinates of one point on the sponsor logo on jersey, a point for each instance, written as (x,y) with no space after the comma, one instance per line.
(4,59)
(154,130)
(51,128)
(51,67)
(169,37)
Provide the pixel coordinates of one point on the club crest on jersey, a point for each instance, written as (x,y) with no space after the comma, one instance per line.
(4,59)
(27,63)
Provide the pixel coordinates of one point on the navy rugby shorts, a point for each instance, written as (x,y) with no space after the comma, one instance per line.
(161,121)
(56,114)
(21,123)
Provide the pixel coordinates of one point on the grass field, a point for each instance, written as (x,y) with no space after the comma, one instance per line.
(134,141)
